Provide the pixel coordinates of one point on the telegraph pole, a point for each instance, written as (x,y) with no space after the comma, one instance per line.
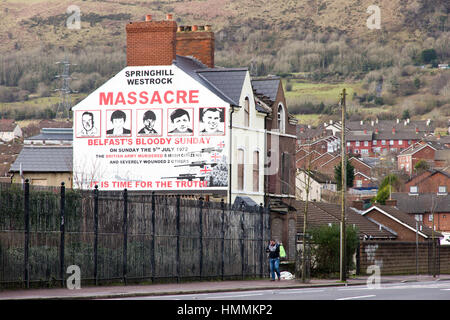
(342,272)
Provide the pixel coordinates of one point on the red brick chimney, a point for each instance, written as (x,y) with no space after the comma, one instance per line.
(151,43)
(358,204)
(391,202)
(198,43)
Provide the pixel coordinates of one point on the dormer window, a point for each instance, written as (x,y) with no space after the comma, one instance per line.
(413,190)
(280,118)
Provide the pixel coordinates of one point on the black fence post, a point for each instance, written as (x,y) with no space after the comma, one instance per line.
(27,233)
(222,206)
(153,238)
(201,235)
(62,231)
(96,234)
(178,238)
(261,248)
(125,234)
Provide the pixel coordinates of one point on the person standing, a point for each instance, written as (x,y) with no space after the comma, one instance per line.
(274,259)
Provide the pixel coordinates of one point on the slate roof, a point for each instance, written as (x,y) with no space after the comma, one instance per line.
(191,65)
(398,135)
(405,218)
(321,213)
(228,81)
(421,203)
(267,87)
(320,177)
(442,155)
(358,136)
(54,134)
(44,159)
(384,125)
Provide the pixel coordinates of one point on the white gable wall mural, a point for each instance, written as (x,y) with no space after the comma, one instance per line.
(151,128)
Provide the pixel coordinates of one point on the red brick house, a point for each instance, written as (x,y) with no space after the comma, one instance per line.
(401,223)
(425,207)
(279,185)
(318,162)
(305,161)
(361,166)
(375,138)
(430,181)
(409,157)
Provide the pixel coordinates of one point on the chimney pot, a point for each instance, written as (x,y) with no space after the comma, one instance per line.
(187,28)
(208,27)
(169,16)
(201,28)
(148,17)
(194,28)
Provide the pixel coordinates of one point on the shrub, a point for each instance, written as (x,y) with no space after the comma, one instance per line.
(325,248)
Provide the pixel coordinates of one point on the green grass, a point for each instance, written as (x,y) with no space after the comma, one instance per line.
(320,92)
(312,119)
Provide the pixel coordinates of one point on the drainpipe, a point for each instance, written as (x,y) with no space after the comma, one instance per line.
(230,154)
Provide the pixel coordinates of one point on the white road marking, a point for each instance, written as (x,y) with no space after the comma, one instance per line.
(236,296)
(300,291)
(360,297)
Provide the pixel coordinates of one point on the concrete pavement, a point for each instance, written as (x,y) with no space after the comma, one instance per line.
(102,292)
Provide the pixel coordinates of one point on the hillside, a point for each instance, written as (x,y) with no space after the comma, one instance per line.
(319,41)
(28,21)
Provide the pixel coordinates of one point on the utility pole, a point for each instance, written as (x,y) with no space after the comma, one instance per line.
(343,189)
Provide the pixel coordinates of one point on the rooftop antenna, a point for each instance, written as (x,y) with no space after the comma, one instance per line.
(65,105)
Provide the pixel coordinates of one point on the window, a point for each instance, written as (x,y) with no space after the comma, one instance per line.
(256,171)
(391,142)
(418,217)
(281,119)
(374,142)
(400,142)
(357,143)
(246,112)
(413,189)
(285,172)
(366,143)
(383,142)
(442,190)
(358,183)
(240,170)
(348,144)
